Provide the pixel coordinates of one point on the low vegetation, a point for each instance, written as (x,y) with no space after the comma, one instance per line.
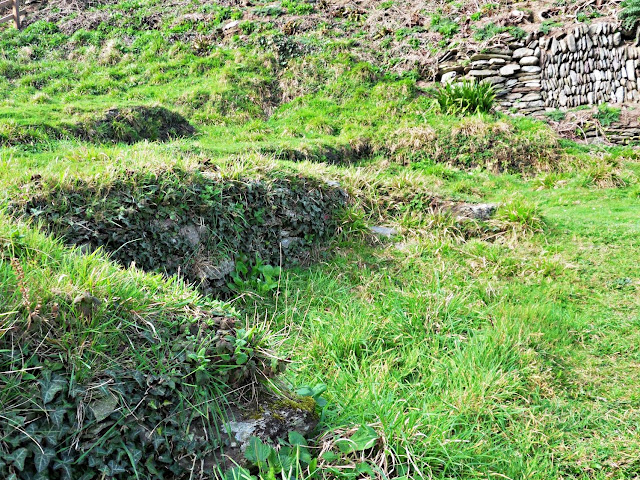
(188,195)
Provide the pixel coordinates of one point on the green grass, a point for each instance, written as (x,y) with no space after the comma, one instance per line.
(497,349)
(482,359)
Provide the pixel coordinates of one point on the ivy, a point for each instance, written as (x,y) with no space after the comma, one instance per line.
(220,234)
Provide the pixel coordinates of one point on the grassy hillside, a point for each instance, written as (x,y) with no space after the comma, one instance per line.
(230,160)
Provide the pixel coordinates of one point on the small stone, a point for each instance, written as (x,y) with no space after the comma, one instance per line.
(531,60)
(494,80)
(231,25)
(481,211)
(383,231)
(482,73)
(448,77)
(531,69)
(571,43)
(510,69)
(522,52)
(630,68)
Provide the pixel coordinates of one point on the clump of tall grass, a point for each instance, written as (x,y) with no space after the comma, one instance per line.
(465,98)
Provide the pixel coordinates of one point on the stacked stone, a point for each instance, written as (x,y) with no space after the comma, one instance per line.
(589,65)
(515,73)
(525,94)
(623,134)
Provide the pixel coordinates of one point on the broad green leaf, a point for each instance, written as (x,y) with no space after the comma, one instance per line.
(241,358)
(364,467)
(330,456)
(305,391)
(257,451)
(42,458)
(296,439)
(50,388)
(365,438)
(18,458)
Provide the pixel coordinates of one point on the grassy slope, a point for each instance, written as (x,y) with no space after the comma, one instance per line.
(486,359)
(513,357)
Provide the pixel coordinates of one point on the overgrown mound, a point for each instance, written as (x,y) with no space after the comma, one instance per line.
(115,125)
(116,374)
(210,230)
(133,124)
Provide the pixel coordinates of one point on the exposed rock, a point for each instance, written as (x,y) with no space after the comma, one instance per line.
(270,420)
(383,231)
(522,52)
(529,60)
(470,211)
(449,77)
(510,69)
(482,73)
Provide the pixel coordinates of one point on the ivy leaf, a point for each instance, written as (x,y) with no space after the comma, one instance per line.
(50,387)
(257,451)
(57,416)
(43,458)
(65,469)
(115,468)
(18,458)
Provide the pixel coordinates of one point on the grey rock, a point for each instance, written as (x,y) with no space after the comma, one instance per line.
(270,420)
(631,69)
(522,52)
(531,97)
(531,69)
(287,242)
(489,56)
(510,69)
(383,231)
(571,43)
(482,73)
(531,60)
(208,271)
(449,77)
(192,234)
(231,26)
(494,80)
(480,211)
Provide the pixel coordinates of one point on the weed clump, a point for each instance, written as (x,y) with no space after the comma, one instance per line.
(465,98)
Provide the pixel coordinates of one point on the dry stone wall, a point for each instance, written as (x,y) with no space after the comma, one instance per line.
(588,66)
(585,65)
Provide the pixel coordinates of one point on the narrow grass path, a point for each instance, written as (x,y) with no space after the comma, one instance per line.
(513,359)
